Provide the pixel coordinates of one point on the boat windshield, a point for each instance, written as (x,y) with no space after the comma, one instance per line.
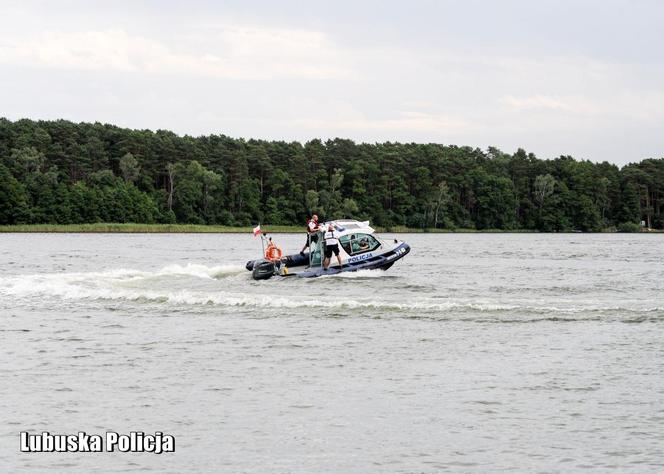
(355,244)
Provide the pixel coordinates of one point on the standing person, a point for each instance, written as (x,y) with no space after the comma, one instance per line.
(331,246)
(312,232)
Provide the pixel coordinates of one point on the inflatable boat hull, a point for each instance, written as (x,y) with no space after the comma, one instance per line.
(295,265)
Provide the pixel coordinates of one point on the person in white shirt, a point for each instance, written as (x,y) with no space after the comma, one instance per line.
(312,232)
(331,246)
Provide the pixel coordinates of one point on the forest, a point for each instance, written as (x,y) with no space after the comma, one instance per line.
(61,172)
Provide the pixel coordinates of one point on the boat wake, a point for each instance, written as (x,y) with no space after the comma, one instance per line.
(197,285)
(112,284)
(191,269)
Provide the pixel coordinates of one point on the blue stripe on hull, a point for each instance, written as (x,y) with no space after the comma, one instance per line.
(383,261)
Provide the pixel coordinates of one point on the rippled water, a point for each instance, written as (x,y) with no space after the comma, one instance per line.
(475,353)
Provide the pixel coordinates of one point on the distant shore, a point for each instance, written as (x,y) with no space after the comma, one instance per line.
(193,229)
(110,228)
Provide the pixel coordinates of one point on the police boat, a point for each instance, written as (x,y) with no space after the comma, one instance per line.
(359,248)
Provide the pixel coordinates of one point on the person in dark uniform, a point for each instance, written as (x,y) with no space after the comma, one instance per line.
(331,246)
(312,232)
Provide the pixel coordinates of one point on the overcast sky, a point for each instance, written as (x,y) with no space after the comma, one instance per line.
(577,77)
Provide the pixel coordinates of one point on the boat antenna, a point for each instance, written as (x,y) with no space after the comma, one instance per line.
(262,240)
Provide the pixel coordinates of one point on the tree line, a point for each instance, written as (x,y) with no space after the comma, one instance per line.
(62,172)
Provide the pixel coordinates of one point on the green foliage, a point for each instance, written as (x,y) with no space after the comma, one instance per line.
(60,172)
(628,227)
(129,167)
(13,199)
(350,208)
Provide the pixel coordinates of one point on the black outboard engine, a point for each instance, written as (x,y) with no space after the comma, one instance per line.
(262,269)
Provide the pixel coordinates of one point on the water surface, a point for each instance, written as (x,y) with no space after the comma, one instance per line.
(476,352)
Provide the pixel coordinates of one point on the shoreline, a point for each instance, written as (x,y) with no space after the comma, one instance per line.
(111,228)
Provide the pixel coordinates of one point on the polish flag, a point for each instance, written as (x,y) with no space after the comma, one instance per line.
(257,230)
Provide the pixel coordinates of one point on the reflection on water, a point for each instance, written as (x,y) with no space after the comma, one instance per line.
(476,352)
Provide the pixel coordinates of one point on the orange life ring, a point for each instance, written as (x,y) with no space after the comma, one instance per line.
(273,253)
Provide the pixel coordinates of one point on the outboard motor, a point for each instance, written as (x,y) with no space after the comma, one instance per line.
(262,269)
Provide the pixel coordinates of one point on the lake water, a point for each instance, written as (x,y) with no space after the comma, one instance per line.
(484,352)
